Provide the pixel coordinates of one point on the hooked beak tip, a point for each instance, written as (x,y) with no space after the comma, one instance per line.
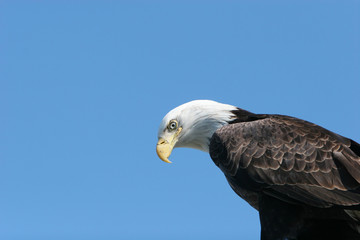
(163,150)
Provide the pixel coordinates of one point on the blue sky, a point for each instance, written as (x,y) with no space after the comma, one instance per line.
(85,84)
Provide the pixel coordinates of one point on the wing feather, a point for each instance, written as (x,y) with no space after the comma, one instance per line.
(289,157)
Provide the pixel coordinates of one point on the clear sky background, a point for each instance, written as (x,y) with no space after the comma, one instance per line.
(85,84)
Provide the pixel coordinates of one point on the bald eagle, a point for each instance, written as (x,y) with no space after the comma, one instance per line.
(303,179)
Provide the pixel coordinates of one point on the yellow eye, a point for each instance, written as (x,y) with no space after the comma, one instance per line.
(173,124)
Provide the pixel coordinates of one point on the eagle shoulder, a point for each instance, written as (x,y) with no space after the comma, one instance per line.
(289,158)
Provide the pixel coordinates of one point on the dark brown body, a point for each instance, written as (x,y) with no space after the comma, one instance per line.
(303,179)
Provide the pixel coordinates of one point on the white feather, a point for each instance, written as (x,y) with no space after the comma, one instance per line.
(199,119)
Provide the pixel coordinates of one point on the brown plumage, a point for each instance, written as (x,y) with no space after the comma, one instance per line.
(301,177)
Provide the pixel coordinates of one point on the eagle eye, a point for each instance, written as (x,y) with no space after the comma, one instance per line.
(173,124)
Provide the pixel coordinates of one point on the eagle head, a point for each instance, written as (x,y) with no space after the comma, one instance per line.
(191,125)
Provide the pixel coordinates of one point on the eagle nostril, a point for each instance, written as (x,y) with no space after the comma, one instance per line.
(161,141)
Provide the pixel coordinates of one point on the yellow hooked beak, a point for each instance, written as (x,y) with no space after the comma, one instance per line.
(164,147)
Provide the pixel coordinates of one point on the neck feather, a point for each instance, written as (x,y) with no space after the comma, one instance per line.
(200,123)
